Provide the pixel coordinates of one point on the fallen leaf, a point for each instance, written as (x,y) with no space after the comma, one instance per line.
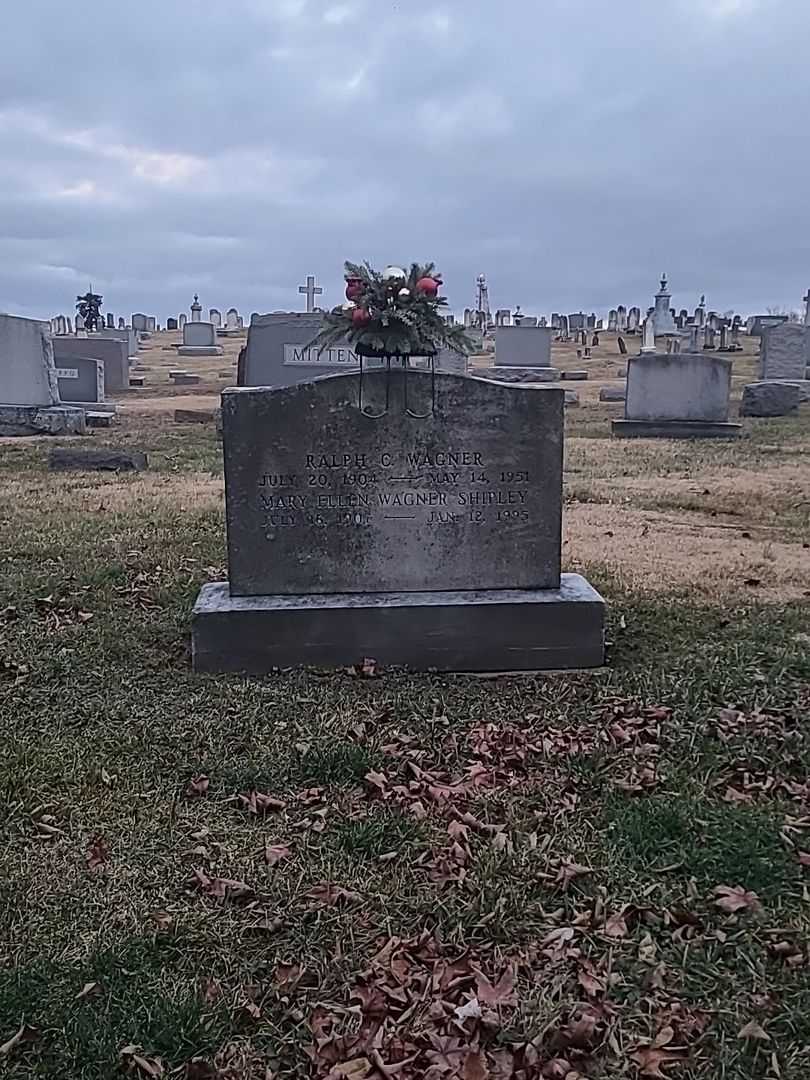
(25,1034)
(197,787)
(329,895)
(501,993)
(132,1057)
(274,853)
(221,888)
(651,1060)
(97,854)
(257,803)
(752,1030)
(616,926)
(732,900)
(475,1066)
(356,1069)
(470,1010)
(88,990)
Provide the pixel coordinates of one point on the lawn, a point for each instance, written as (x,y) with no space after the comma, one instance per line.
(370,873)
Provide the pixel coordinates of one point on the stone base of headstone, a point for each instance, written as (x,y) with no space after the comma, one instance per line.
(675,429)
(66,459)
(612,393)
(98,419)
(42,420)
(185,378)
(573,376)
(494,630)
(200,350)
(194,416)
(520,374)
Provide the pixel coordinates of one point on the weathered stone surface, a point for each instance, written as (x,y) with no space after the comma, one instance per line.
(612,393)
(194,416)
(678,386)
(571,397)
(769,399)
(785,352)
(185,378)
(81,379)
(27,375)
(574,376)
(63,459)
(41,420)
(324,499)
(498,630)
(675,429)
(112,352)
(520,375)
(98,419)
(523,346)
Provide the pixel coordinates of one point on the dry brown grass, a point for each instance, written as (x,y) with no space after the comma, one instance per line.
(647,552)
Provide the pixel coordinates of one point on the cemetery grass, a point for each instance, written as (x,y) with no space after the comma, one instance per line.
(195,873)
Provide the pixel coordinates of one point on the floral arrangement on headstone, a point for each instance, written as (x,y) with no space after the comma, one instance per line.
(392,313)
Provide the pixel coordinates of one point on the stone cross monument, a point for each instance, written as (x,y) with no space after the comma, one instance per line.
(311,290)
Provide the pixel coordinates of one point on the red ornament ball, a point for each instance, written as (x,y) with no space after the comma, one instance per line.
(354,288)
(360,316)
(428,285)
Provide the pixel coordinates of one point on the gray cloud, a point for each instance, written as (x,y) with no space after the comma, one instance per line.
(572,150)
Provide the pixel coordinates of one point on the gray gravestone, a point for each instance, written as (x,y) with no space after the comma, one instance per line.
(276,353)
(199,339)
(769,399)
(113,353)
(784,352)
(139,321)
(431,540)
(171,323)
(215,316)
(29,390)
(81,379)
(523,346)
(677,395)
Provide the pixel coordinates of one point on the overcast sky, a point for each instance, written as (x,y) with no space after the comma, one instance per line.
(570,149)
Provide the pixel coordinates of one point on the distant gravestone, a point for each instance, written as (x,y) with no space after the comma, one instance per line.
(277,352)
(622,346)
(633,320)
(151,324)
(171,323)
(429,541)
(576,321)
(140,322)
(525,347)
(182,320)
(199,339)
(678,395)
(29,389)
(621,319)
(613,320)
(215,316)
(112,352)
(110,320)
(121,323)
(81,380)
(785,352)
(232,319)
